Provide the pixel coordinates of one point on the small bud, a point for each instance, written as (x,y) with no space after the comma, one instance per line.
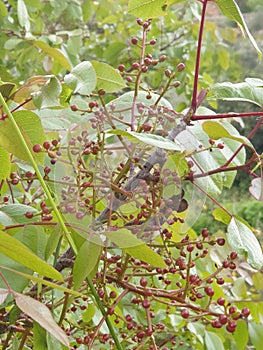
(74,108)
(134,41)
(180,67)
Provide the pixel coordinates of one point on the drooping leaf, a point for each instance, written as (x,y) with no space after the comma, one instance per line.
(246,91)
(125,240)
(108,78)
(149,139)
(41,314)
(213,341)
(256,334)
(17,251)
(32,130)
(242,239)
(40,281)
(148,8)
(6,89)
(87,258)
(82,78)
(215,130)
(49,95)
(56,54)
(22,14)
(3,295)
(231,9)
(5,168)
(256,189)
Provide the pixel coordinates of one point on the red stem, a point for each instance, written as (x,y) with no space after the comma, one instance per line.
(197,62)
(226,115)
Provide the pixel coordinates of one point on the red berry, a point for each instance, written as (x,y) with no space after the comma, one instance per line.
(121,67)
(143,282)
(209,291)
(185,313)
(54,142)
(222,319)
(139,21)
(135,65)
(245,312)
(212,142)
(205,232)
(168,72)
(216,324)
(113,295)
(162,58)
(153,42)
(232,265)
(37,148)
(128,318)
(233,255)
(180,67)
(232,309)
(146,303)
(47,170)
(221,301)
(29,214)
(147,61)
(101,92)
(74,108)
(190,248)
(225,264)
(221,241)
(134,41)
(220,146)
(46,145)
(14,181)
(220,280)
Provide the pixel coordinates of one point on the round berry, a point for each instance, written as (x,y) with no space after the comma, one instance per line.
(205,232)
(168,72)
(216,324)
(185,313)
(220,146)
(121,67)
(222,318)
(74,108)
(209,291)
(29,214)
(221,301)
(153,42)
(232,309)
(134,41)
(245,312)
(46,145)
(136,65)
(37,148)
(162,58)
(190,248)
(143,282)
(233,255)
(220,241)
(180,67)
(146,303)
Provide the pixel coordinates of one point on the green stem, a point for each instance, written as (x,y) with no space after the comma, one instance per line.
(39,176)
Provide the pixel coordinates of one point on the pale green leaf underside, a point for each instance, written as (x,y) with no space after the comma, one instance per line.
(243,240)
(230,9)
(108,78)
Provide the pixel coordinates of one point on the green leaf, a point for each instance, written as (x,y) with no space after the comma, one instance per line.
(88,313)
(148,8)
(86,260)
(246,91)
(256,189)
(39,281)
(30,125)
(22,14)
(135,247)
(39,337)
(241,334)
(41,314)
(216,131)
(5,168)
(256,334)
(230,9)
(3,10)
(49,95)
(15,213)
(149,139)
(82,79)
(17,251)
(222,216)
(6,89)
(108,78)
(56,54)
(243,240)
(213,342)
